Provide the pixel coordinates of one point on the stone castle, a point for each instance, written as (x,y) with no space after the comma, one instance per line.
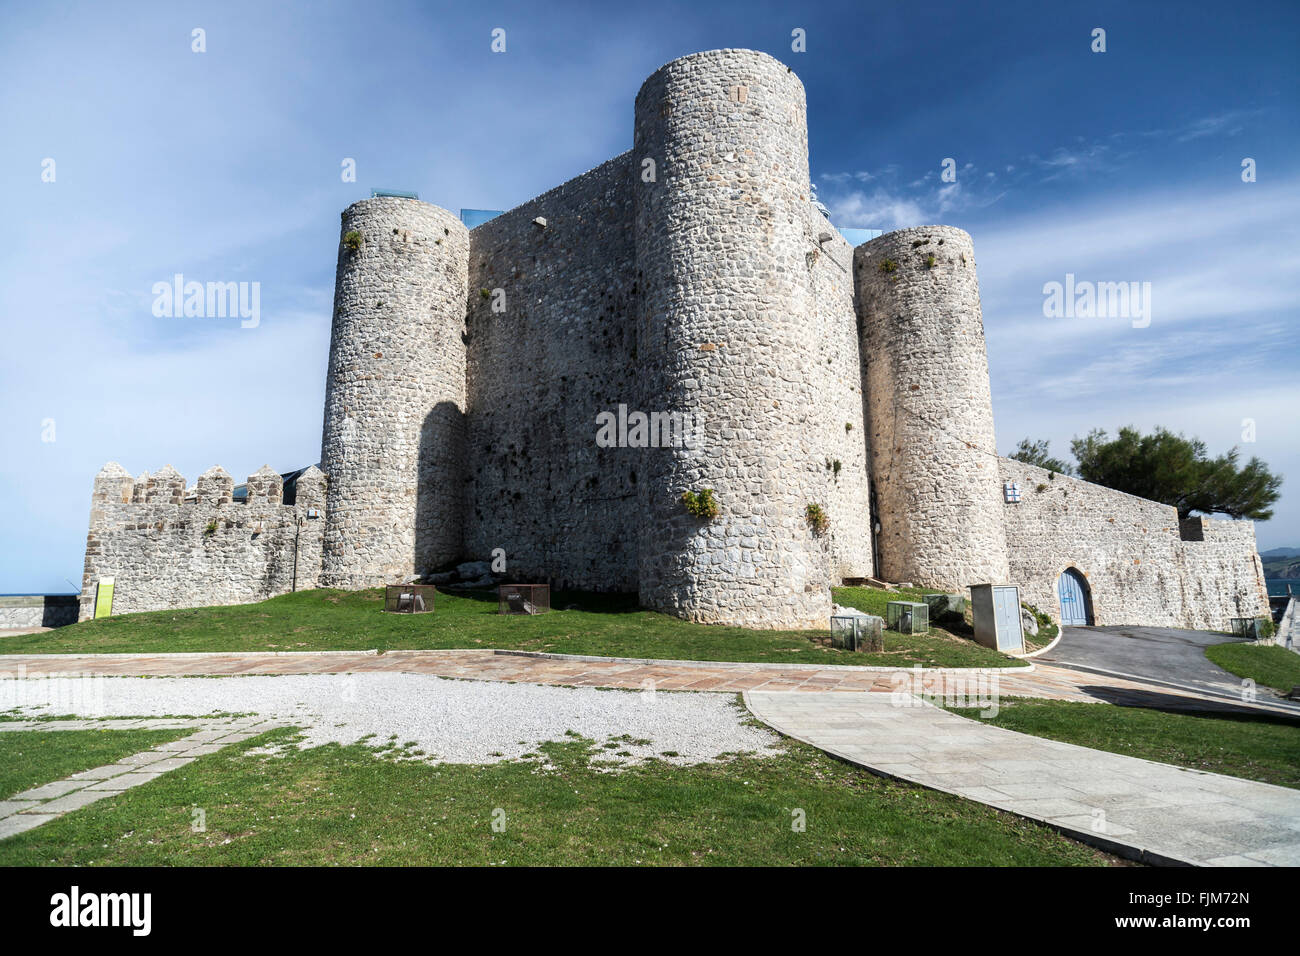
(691,277)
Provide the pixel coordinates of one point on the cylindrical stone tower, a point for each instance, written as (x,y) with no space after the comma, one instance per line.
(725,336)
(934,463)
(394,435)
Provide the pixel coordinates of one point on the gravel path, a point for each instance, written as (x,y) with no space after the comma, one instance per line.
(452,721)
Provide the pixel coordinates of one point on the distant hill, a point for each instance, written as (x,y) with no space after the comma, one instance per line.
(1280,553)
(1281,563)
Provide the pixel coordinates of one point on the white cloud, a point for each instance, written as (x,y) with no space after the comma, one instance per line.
(1225,286)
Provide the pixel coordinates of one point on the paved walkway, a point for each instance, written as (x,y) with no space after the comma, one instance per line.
(1041,680)
(39,805)
(1143,810)
(1038,681)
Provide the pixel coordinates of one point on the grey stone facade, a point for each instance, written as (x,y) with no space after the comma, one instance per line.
(690,276)
(560,350)
(38,610)
(170,552)
(394,435)
(1140,564)
(726,330)
(929,411)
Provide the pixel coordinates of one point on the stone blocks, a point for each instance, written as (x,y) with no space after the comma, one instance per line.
(930,414)
(393,443)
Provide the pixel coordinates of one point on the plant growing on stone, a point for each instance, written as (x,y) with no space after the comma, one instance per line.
(817,518)
(888,265)
(211,529)
(701,503)
(485,293)
(931,261)
(352,239)
(848,426)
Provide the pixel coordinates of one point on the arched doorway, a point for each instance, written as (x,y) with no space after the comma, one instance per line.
(1076,600)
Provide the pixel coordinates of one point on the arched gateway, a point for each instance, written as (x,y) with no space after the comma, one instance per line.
(1076,599)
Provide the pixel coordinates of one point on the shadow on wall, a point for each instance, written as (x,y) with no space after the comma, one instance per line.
(439,504)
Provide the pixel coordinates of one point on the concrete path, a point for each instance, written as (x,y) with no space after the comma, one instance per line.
(1136,808)
(39,805)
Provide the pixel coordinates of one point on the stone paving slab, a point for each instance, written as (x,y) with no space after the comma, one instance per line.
(1137,808)
(72,801)
(10,807)
(21,822)
(49,801)
(50,790)
(1040,680)
(128,780)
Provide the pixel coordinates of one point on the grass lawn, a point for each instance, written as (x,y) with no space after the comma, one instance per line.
(29,758)
(1262,747)
(608,625)
(348,806)
(1265,664)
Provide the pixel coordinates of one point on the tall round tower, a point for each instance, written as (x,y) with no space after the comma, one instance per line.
(934,463)
(725,336)
(393,441)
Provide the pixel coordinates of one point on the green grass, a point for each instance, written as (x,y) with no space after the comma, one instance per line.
(1262,747)
(1265,664)
(607,625)
(29,758)
(348,806)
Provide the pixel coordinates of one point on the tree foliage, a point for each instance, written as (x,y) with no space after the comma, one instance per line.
(1177,471)
(1036,453)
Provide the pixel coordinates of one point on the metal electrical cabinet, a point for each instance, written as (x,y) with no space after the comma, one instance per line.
(996,610)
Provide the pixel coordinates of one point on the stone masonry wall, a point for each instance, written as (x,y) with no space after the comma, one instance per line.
(726,333)
(929,411)
(170,553)
(839,407)
(1221,574)
(393,441)
(38,610)
(540,371)
(1129,549)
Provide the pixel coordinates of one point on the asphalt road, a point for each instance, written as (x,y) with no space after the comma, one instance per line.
(1162,654)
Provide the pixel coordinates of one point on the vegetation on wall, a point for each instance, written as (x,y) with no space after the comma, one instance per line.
(817,518)
(701,503)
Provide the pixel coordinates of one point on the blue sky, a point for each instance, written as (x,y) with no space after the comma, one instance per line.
(225,165)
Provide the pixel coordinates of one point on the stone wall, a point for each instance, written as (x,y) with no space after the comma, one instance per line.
(930,415)
(170,552)
(393,441)
(726,332)
(38,610)
(1138,567)
(1222,574)
(839,408)
(558,349)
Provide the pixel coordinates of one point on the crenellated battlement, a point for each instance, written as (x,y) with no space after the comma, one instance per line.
(170,546)
(215,487)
